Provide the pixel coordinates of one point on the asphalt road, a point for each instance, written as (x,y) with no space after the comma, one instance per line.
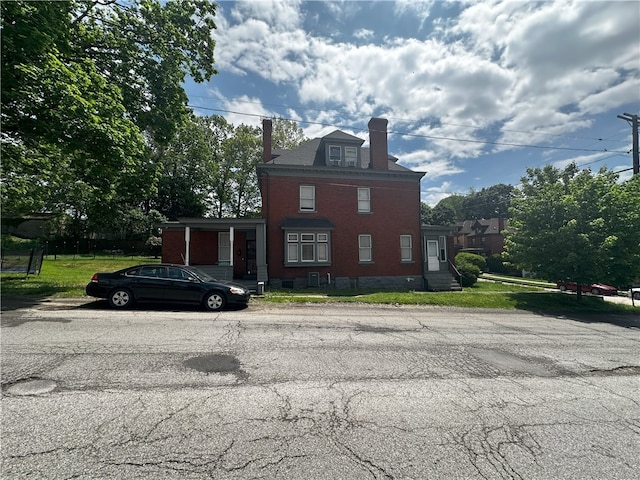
(317,392)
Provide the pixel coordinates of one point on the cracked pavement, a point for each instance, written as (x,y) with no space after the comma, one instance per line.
(317,392)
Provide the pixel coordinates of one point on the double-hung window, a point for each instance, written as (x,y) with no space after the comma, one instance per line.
(350,156)
(335,155)
(307,247)
(292,247)
(406,248)
(364,200)
(364,248)
(307,198)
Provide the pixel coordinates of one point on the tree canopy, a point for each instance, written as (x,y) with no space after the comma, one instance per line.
(490,202)
(286,134)
(87,87)
(576,225)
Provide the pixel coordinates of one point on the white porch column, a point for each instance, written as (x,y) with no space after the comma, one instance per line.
(187,242)
(232,254)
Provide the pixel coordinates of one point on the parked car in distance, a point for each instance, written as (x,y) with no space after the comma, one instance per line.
(593,288)
(635,293)
(164,283)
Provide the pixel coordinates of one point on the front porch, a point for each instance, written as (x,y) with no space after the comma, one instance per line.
(227,249)
(437,243)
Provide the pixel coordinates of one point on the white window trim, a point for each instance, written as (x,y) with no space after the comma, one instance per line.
(304,198)
(333,161)
(365,253)
(364,204)
(296,241)
(406,248)
(350,156)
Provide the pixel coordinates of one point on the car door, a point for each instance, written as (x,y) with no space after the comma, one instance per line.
(150,283)
(182,286)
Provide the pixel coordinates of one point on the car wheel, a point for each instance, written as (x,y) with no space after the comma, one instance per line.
(636,295)
(120,298)
(562,288)
(595,291)
(215,301)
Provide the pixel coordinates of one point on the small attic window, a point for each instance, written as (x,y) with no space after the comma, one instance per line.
(335,155)
(350,156)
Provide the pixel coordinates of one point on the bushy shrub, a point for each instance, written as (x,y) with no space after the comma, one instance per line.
(9,242)
(472,258)
(470,266)
(154,245)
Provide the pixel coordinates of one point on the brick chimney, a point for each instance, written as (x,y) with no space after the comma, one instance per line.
(267,129)
(378,144)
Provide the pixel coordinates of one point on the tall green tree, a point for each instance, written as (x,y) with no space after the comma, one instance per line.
(86,88)
(487,203)
(210,170)
(448,210)
(286,134)
(571,224)
(147,48)
(244,151)
(185,171)
(426,214)
(66,139)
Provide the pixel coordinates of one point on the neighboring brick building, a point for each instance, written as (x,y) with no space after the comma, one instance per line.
(333,212)
(484,237)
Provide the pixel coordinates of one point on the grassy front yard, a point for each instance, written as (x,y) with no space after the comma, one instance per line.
(66,276)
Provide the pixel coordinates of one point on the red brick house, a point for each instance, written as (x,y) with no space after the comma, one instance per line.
(484,237)
(341,213)
(333,213)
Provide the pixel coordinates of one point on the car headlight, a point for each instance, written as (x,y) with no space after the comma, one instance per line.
(237,290)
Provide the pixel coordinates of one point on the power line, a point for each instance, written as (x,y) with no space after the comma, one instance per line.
(408,120)
(415,135)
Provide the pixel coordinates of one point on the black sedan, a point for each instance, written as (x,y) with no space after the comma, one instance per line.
(165,283)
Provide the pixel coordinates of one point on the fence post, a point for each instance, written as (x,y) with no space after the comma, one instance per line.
(31,252)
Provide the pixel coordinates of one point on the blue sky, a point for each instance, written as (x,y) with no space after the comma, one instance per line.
(475,92)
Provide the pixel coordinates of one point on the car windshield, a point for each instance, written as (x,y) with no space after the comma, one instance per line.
(205,277)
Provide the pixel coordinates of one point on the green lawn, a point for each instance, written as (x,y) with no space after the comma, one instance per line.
(486,295)
(66,276)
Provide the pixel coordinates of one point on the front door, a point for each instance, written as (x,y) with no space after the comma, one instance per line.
(433,261)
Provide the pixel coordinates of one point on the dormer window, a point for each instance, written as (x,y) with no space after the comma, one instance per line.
(342,156)
(335,156)
(350,156)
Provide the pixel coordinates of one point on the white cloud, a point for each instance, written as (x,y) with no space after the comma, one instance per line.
(511,72)
(363,34)
(433,194)
(249,111)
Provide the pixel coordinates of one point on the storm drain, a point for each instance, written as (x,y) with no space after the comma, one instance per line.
(216,363)
(31,387)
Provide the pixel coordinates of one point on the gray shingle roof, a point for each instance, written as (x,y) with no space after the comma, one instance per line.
(303,223)
(311,153)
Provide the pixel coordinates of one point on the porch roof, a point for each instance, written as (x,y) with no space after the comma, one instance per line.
(212,223)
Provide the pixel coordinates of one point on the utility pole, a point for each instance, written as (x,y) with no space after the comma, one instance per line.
(633,120)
